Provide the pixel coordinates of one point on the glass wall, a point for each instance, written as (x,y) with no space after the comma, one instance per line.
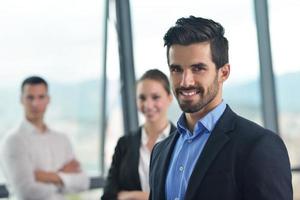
(151,19)
(60,40)
(285,31)
(114,127)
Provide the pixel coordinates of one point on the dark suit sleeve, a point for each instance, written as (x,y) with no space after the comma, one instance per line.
(111,187)
(267,174)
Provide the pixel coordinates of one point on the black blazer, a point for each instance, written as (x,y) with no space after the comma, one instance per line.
(123,173)
(240,161)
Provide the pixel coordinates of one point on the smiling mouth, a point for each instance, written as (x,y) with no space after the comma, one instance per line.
(150,113)
(188,93)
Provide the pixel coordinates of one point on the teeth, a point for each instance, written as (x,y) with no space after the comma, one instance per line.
(188,93)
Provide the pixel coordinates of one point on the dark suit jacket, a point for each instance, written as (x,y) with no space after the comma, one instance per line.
(123,173)
(240,161)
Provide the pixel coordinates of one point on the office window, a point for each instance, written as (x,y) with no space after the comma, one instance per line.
(114,129)
(285,41)
(60,40)
(151,20)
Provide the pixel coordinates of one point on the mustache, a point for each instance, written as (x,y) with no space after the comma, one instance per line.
(199,89)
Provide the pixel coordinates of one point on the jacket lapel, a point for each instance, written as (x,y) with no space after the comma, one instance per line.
(164,160)
(215,143)
(173,129)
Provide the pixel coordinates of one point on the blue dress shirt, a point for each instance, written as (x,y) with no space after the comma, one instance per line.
(187,151)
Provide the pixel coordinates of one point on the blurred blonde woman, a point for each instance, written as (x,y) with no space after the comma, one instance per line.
(128,177)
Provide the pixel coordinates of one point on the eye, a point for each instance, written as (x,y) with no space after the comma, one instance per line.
(42,97)
(175,69)
(198,67)
(142,98)
(155,97)
(30,98)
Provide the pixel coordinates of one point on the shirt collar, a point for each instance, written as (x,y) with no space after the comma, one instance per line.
(164,134)
(29,127)
(208,121)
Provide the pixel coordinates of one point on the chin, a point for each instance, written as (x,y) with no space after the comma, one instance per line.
(190,108)
(152,119)
(34,117)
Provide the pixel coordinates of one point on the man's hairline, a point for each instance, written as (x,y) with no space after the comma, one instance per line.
(206,41)
(33,84)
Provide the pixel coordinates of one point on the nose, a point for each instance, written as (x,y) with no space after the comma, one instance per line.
(35,102)
(187,78)
(148,104)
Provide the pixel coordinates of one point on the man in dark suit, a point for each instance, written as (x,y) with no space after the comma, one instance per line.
(215,154)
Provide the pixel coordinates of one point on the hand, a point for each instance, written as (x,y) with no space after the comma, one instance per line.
(47,177)
(133,195)
(71,167)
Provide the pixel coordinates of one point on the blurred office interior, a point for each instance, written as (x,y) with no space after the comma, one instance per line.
(92,51)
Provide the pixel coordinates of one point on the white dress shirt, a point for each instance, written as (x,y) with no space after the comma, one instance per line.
(145,154)
(26,150)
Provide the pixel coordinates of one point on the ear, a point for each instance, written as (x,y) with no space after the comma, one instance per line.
(224,72)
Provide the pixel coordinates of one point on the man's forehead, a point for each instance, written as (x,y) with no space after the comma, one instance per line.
(35,86)
(35,89)
(190,54)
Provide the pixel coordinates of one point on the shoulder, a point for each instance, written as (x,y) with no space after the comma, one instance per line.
(250,129)
(230,120)
(245,133)
(240,126)
(131,138)
(250,125)
(132,135)
(14,136)
(14,142)
(253,139)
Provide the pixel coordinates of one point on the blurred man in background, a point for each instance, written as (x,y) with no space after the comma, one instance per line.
(38,162)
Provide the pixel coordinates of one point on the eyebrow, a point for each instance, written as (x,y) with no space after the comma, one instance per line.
(174,65)
(193,65)
(199,65)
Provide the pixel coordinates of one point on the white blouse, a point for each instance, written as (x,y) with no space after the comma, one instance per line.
(26,150)
(145,154)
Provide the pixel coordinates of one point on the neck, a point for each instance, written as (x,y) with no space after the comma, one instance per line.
(39,124)
(155,128)
(192,118)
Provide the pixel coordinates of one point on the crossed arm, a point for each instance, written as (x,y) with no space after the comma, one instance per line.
(72,166)
(29,182)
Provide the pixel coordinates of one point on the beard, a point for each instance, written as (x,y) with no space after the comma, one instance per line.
(204,99)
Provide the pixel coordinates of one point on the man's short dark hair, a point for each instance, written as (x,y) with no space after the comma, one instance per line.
(33,80)
(196,29)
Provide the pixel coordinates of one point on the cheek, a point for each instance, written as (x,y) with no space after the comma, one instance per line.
(43,106)
(140,106)
(163,106)
(26,104)
(175,79)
